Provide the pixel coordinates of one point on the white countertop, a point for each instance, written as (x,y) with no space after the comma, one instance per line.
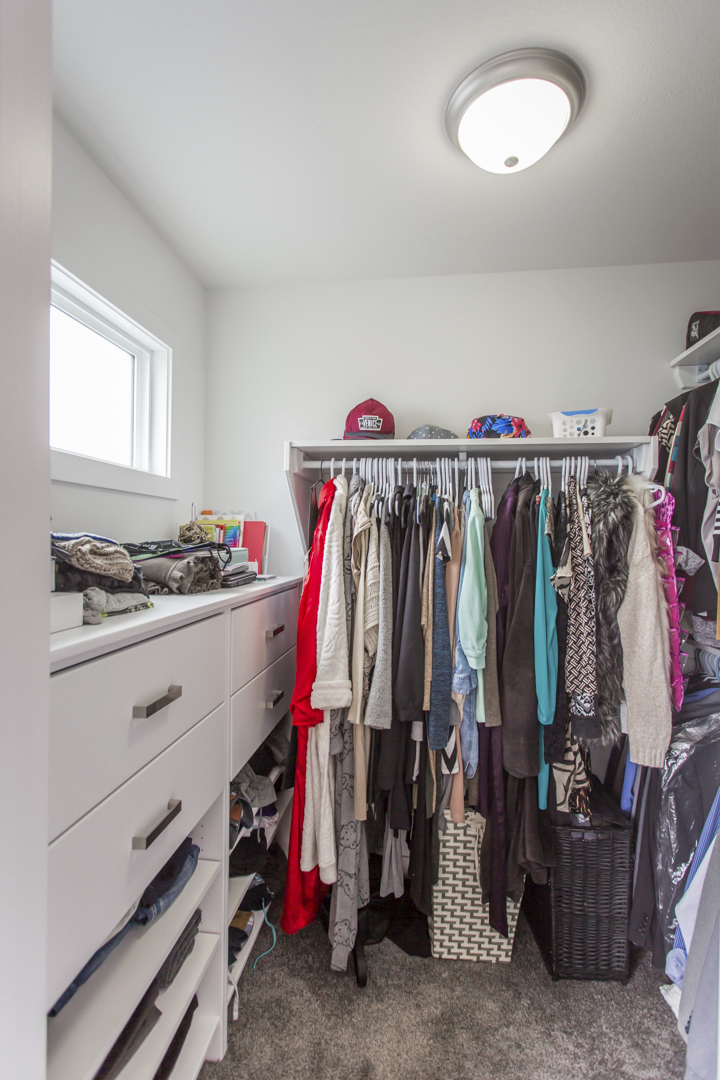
(70,647)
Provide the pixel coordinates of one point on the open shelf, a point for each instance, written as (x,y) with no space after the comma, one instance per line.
(81,1036)
(238,886)
(704,352)
(303,460)
(239,966)
(173,1004)
(192,1055)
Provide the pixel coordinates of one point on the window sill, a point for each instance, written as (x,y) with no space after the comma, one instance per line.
(87,472)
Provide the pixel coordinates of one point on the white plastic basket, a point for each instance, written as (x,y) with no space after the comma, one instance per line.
(573,425)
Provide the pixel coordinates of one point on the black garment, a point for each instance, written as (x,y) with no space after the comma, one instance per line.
(276,870)
(420,870)
(500,544)
(521,729)
(173,1051)
(133,1035)
(644,928)
(250,855)
(263,761)
(179,952)
(69,579)
(166,878)
(663,424)
(679,799)
(409,686)
(554,734)
(237,938)
(255,897)
(690,493)
(529,833)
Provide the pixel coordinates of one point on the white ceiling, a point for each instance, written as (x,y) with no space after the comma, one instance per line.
(283,140)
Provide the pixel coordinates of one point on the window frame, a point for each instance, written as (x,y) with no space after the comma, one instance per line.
(150,472)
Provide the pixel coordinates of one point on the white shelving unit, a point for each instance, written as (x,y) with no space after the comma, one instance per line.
(80,1037)
(695,360)
(172,1004)
(238,886)
(239,966)
(305,461)
(194,1051)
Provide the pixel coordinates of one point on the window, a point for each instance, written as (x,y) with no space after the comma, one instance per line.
(109,383)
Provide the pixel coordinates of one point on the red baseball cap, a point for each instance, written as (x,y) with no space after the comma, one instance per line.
(370,420)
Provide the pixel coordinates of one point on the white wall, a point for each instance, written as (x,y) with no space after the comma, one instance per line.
(25,134)
(100,237)
(289,362)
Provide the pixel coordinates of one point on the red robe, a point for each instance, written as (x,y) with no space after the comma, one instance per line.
(304,891)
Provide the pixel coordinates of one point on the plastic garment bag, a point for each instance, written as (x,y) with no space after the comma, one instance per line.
(689,782)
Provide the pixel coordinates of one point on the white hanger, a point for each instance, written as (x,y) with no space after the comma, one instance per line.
(630,463)
(618,458)
(661,499)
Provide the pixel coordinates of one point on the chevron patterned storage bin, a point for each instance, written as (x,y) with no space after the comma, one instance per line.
(459,928)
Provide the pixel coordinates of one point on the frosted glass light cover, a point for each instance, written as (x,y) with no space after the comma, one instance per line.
(515,123)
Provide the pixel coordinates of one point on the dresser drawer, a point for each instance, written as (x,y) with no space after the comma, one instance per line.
(95,874)
(96,743)
(252,714)
(262,632)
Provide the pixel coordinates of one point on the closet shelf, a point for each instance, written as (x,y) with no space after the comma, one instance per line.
(239,966)
(303,460)
(238,886)
(704,352)
(172,1004)
(195,1047)
(81,1036)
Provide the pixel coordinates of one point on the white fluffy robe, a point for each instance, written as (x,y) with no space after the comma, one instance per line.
(332,689)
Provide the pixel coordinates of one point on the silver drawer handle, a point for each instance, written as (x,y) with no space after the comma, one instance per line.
(141,712)
(279,695)
(142,843)
(275,630)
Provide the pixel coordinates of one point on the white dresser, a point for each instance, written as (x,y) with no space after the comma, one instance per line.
(151,715)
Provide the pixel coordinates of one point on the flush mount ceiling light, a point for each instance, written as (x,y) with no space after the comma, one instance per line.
(508,112)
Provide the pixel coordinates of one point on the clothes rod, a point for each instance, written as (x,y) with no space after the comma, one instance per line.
(502,463)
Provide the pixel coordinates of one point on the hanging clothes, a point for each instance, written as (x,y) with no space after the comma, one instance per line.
(580,661)
(613,520)
(305,891)
(351,890)
(545,637)
(500,544)
(643,623)
(519,699)
(332,689)
(441,683)
(666,553)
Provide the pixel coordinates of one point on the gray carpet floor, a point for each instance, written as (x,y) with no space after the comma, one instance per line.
(443,1020)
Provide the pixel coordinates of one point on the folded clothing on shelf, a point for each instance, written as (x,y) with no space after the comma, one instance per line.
(133,1035)
(250,855)
(257,790)
(95,555)
(85,562)
(180,951)
(237,939)
(198,573)
(172,1053)
(257,896)
(99,604)
(160,894)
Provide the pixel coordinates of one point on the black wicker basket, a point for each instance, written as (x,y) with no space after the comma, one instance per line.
(580,919)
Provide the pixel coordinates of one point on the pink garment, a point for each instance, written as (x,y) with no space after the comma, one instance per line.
(663,517)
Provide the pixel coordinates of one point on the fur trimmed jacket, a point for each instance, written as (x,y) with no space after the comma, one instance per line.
(613,508)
